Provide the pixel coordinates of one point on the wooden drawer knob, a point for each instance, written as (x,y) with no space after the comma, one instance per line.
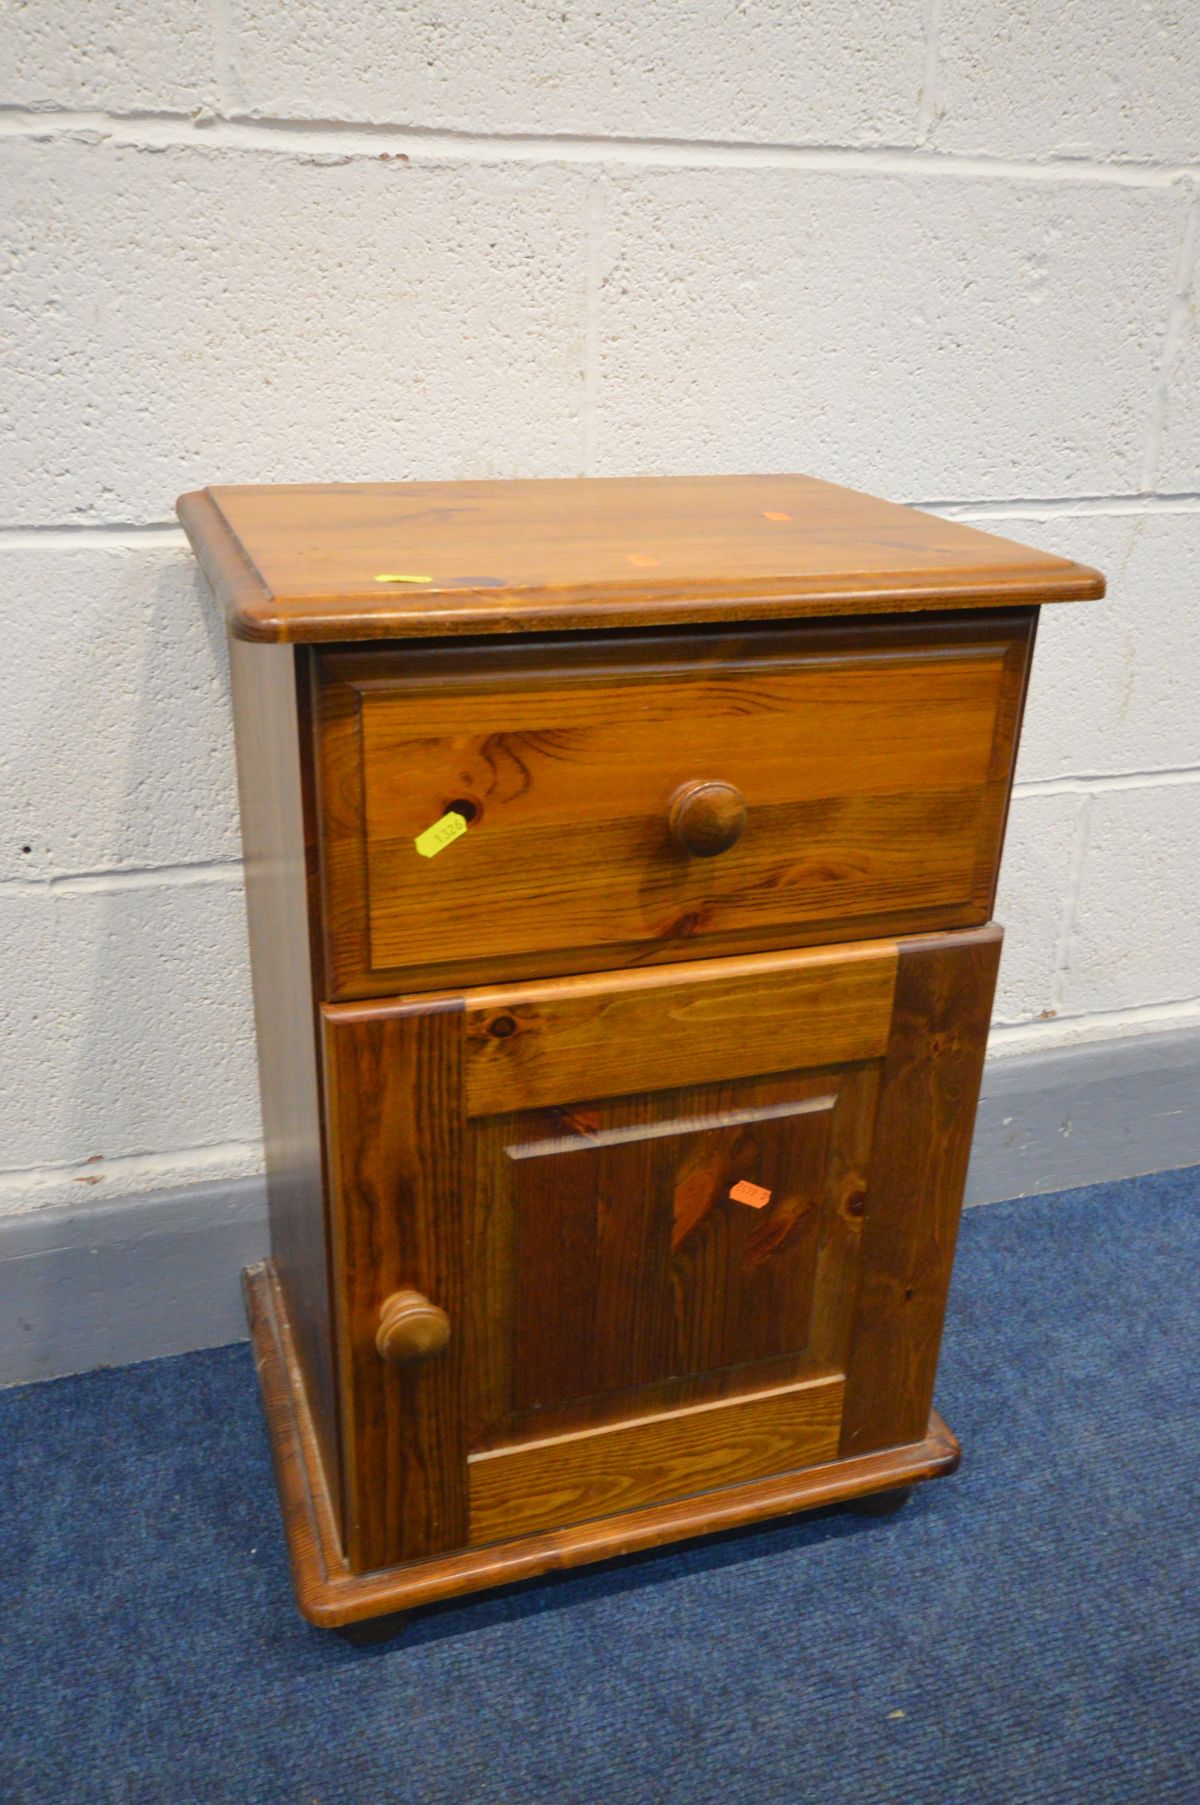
(707,818)
(410,1327)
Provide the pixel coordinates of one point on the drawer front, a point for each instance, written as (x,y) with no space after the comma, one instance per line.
(645,1213)
(641,800)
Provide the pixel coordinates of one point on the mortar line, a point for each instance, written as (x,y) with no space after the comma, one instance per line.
(1069,920)
(334,140)
(59,538)
(1086,784)
(1174,335)
(106,881)
(66,535)
(927,103)
(1066,506)
(224,68)
(593,281)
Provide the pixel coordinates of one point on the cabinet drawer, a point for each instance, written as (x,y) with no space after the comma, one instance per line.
(663,796)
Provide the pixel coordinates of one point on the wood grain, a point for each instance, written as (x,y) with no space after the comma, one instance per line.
(328,1593)
(398,1204)
(929,1091)
(598,1472)
(572,1038)
(569,1332)
(275,787)
(302,562)
(874,769)
(681,1278)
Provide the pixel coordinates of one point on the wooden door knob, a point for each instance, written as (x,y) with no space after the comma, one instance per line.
(410,1327)
(707,818)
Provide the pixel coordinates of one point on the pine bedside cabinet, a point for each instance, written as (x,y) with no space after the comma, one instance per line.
(620,864)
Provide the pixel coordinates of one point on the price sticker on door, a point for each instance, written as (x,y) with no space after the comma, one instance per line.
(757,1196)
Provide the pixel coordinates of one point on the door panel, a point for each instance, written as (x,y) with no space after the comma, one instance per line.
(633,1238)
(637,1278)
(651,1286)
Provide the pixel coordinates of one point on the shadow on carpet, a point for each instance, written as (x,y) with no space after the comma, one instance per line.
(1027,1631)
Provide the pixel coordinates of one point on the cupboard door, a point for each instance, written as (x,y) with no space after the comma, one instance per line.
(641,1201)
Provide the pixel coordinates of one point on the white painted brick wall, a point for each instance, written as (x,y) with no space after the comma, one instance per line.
(948,252)
(891,330)
(758,71)
(1179,392)
(1114,686)
(127,1026)
(284,318)
(117,746)
(1137,926)
(121,54)
(1069,78)
(1035,878)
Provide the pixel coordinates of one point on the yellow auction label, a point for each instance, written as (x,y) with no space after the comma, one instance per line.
(443,833)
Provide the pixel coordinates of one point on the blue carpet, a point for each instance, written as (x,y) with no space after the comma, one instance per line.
(1027,1631)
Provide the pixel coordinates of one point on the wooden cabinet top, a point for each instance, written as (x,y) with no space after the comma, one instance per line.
(310,562)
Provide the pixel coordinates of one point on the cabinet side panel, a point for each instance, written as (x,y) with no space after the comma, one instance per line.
(929,1091)
(270,698)
(1018,665)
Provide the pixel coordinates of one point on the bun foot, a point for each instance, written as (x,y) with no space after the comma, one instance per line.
(374,1630)
(881,1504)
